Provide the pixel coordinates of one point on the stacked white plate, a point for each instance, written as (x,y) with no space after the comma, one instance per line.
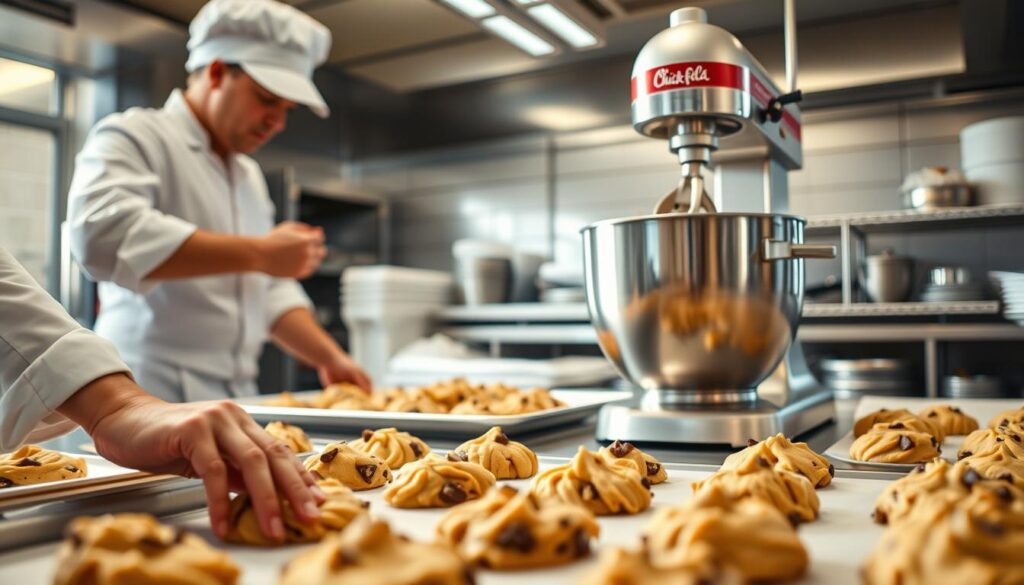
(945,293)
(1011,289)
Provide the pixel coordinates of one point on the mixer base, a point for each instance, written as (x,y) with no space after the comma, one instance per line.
(714,424)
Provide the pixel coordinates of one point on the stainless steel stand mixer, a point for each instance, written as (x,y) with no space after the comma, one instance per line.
(699,307)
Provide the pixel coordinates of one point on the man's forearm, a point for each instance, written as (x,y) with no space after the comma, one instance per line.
(298,333)
(206,253)
(100,398)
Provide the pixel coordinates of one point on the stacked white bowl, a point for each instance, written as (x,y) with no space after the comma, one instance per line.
(388,307)
(992,156)
(1011,290)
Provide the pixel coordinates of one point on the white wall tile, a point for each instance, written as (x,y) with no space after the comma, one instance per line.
(846,128)
(642,153)
(848,169)
(945,154)
(945,123)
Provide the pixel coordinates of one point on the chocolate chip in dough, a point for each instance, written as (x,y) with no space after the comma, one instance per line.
(367,434)
(620,449)
(897,425)
(366,472)
(794,518)
(963,455)
(970,477)
(880,517)
(906,443)
(1016,438)
(343,557)
(990,528)
(763,462)
(999,439)
(501,439)
(935,442)
(933,414)
(653,468)
(956,409)
(562,548)
(5,483)
(1004,494)
(831,470)
(751,442)
(645,482)
(468,576)
(416,449)
(328,456)
(920,468)
(458,456)
(516,536)
(28,462)
(582,540)
(71,468)
(452,493)
(1006,477)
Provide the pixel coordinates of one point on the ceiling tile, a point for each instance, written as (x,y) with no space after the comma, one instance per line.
(363,28)
(447,66)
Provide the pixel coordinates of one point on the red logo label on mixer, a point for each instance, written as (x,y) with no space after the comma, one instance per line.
(686,75)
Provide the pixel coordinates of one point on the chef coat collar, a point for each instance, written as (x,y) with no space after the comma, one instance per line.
(197,136)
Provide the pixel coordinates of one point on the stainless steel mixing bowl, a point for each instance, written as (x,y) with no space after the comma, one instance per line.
(701,307)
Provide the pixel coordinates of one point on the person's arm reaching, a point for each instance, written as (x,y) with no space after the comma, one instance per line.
(297,332)
(55,373)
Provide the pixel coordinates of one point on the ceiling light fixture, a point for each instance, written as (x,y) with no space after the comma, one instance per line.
(518,35)
(562,25)
(472,8)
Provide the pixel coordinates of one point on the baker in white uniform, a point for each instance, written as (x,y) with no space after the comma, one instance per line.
(55,375)
(173,219)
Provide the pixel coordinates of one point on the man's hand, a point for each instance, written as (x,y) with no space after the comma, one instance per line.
(343,369)
(291,249)
(216,441)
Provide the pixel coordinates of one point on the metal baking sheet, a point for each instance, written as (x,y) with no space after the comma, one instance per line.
(102,475)
(838,542)
(981,409)
(580,405)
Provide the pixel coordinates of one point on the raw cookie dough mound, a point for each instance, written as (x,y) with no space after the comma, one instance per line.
(342,396)
(625,567)
(286,399)
(533,400)
(647,465)
(983,440)
(784,455)
(591,481)
(354,469)
(791,494)
(368,553)
(977,539)
(951,420)
(415,400)
(749,534)
(913,422)
(450,392)
(895,443)
(1014,417)
(394,447)
(126,549)
(507,529)
(505,458)
(997,463)
(437,483)
(290,435)
(937,479)
(339,508)
(31,464)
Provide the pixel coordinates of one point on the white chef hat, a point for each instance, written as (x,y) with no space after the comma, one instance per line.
(277,45)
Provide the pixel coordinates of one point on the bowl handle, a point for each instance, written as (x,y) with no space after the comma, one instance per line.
(783,250)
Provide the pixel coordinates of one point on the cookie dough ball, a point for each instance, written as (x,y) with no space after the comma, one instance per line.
(339,508)
(32,464)
(997,463)
(909,419)
(286,399)
(369,553)
(290,435)
(415,401)
(433,482)
(973,540)
(937,479)
(1013,417)
(895,443)
(507,529)
(983,440)
(355,469)
(951,420)
(503,457)
(749,534)
(647,465)
(618,566)
(394,447)
(534,400)
(781,454)
(791,494)
(448,393)
(135,548)
(343,396)
(589,480)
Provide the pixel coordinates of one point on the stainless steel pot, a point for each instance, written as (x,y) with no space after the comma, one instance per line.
(699,306)
(938,197)
(887,278)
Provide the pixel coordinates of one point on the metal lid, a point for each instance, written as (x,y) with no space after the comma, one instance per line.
(864,365)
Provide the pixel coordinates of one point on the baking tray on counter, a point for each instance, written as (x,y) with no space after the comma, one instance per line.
(580,404)
(980,408)
(838,542)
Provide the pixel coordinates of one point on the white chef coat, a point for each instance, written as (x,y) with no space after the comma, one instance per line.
(144,182)
(45,357)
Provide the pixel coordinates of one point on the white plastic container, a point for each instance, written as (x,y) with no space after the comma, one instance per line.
(998,183)
(378,331)
(998,140)
(391,277)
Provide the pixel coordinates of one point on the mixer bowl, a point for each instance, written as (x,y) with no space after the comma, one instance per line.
(699,306)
